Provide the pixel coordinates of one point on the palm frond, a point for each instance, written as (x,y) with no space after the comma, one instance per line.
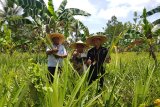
(75,11)
(156,28)
(84,28)
(80,25)
(156,22)
(3,5)
(22,21)
(51,8)
(17,9)
(61,7)
(32,7)
(153,11)
(65,16)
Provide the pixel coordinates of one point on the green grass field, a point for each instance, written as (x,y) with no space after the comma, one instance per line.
(131,80)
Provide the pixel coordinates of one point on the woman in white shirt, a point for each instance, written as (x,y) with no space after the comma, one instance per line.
(56,54)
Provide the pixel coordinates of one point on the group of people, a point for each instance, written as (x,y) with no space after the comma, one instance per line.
(82,57)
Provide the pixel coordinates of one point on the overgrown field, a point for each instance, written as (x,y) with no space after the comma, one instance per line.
(131,80)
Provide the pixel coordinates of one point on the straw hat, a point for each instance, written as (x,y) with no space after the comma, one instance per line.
(74,45)
(57,35)
(100,37)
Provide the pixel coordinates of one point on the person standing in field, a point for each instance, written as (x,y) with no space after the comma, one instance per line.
(79,56)
(56,53)
(96,57)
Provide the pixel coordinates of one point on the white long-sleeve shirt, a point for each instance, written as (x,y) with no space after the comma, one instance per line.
(52,60)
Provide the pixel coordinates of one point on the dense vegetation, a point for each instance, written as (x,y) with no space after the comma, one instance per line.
(131,79)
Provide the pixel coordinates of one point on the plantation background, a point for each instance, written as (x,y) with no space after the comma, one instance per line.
(131,79)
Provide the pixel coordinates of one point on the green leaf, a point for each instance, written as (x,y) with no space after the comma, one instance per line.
(61,7)
(76,89)
(75,11)
(153,11)
(90,103)
(51,8)
(156,22)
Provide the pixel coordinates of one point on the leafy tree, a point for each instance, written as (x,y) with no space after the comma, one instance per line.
(11,14)
(63,18)
(144,36)
(113,29)
(27,32)
(156,23)
(133,34)
(13,18)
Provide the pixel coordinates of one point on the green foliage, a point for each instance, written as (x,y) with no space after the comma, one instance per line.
(6,42)
(156,21)
(26,33)
(153,11)
(51,8)
(133,81)
(113,29)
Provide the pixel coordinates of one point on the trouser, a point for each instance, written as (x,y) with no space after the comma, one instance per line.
(94,74)
(51,73)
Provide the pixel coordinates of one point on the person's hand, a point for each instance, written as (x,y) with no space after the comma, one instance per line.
(89,61)
(108,60)
(56,56)
(75,53)
(54,50)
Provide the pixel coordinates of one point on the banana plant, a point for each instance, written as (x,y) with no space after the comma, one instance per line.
(64,17)
(77,27)
(156,23)
(12,14)
(55,20)
(42,15)
(152,12)
(145,36)
(149,36)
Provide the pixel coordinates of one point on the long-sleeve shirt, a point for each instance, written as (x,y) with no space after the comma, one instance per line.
(52,60)
(97,56)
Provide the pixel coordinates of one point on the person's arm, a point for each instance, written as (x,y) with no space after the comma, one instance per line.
(73,56)
(108,59)
(75,53)
(52,51)
(60,56)
(63,54)
(88,60)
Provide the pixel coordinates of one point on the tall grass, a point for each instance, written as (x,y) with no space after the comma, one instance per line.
(130,80)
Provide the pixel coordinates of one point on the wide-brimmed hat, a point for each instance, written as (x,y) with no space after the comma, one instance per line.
(57,35)
(102,38)
(74,45)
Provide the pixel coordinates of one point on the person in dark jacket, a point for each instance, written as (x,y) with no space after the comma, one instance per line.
(96,57)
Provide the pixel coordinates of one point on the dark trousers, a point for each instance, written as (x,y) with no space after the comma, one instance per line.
(93,74)
(51,73)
